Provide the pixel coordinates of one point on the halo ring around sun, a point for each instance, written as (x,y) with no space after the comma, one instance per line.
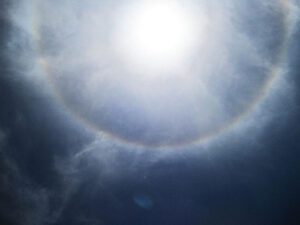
(115,134)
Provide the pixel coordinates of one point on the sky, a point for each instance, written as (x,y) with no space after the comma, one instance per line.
(101,124)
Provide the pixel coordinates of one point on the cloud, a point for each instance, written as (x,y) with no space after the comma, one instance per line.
(63,52)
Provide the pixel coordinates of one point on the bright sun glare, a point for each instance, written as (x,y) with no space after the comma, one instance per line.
(156,35)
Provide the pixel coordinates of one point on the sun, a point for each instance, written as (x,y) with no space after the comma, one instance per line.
(156,35)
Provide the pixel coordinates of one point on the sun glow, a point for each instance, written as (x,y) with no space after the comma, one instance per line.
(157,35)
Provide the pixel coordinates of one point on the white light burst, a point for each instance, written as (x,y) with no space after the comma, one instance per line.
(157,35)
